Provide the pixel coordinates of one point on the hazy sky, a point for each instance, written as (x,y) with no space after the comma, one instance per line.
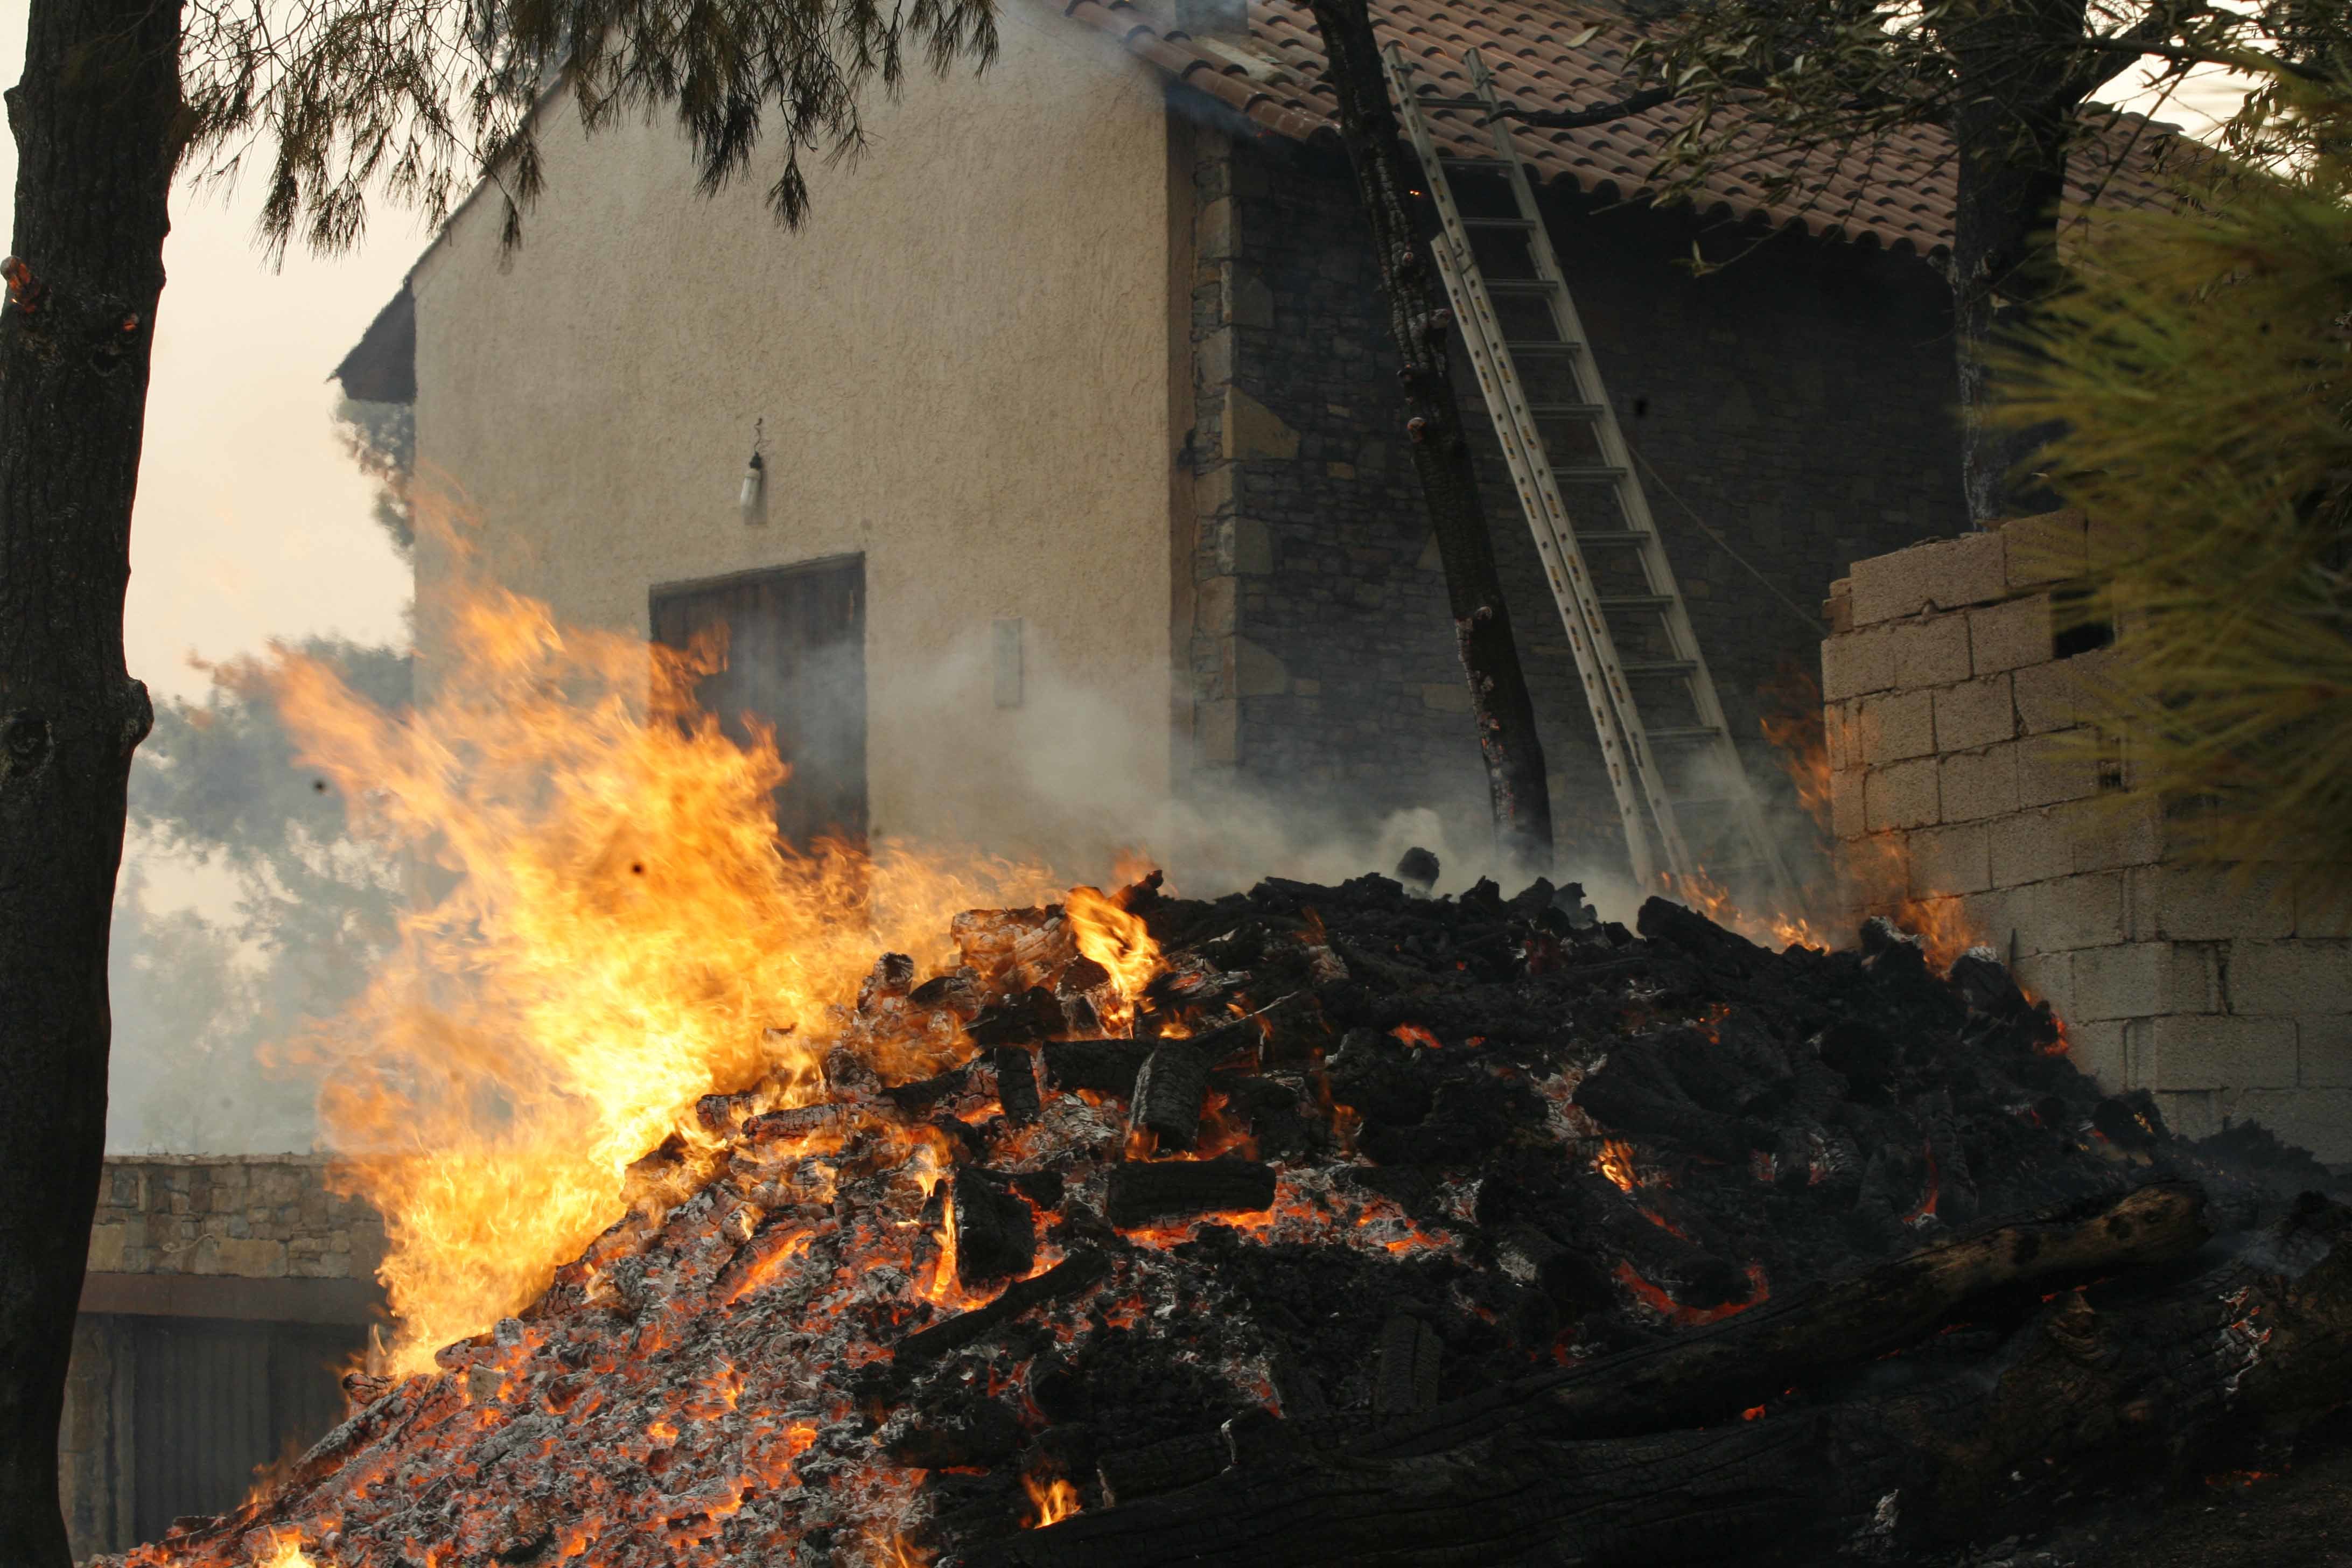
(250,523)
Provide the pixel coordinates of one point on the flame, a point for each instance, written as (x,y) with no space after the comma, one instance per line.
(1616,1162)
(283,1549)
(1055,1501)
(615,931)
(1414,1034)
(1117,940)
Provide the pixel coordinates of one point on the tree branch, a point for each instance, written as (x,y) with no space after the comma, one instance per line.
(1641,102)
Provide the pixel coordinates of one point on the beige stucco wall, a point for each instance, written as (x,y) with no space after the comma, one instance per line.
(962,362)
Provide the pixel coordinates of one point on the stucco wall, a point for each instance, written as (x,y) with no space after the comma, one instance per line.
(963,363)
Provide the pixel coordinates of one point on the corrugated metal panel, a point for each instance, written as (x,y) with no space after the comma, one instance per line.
(212,1402)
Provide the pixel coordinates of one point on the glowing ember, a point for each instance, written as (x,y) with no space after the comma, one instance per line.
(1616,1162)
(1658,1301)
(1414,1034)
(1055,1501)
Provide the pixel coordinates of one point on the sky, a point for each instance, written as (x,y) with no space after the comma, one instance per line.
(250,522)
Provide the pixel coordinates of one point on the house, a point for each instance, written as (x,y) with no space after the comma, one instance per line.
(1087,507)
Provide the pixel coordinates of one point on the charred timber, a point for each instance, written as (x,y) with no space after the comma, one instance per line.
(1016,1084)
(1154,1191)
(1079,1272)
(995,1235)
(1170,1088)
(1106,1067)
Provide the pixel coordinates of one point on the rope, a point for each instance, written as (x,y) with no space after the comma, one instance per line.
(1811,620)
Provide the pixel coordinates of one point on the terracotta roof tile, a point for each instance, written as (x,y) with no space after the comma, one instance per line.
(1897,193)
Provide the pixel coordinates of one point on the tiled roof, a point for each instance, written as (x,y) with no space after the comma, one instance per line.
(1897,192)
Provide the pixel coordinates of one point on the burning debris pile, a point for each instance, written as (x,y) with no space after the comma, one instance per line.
(1334,1225)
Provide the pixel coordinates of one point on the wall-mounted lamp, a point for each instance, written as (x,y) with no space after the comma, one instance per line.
(754,500)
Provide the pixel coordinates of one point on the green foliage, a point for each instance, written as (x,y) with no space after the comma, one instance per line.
(2203,368)
(420,98)
(201,999)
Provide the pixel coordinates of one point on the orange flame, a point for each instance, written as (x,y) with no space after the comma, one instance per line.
(284,1551)
(1054,1500)
(1616,1162)
(620,934)
(1117,940)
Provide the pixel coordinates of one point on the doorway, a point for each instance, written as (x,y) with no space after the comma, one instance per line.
(796,662)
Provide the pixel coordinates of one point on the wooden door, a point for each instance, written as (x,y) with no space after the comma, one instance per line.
(796,662)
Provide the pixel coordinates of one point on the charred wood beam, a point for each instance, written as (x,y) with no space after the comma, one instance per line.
(1107,1067)
(996,1235)
(1079,1272)
(1163,1466)
(2081,1388)
(1016,1084)
(1404,1368)
(1168,1090)
(1144,1192)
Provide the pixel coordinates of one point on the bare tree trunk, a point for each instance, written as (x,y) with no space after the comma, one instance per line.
(94,119)
(1418,318)
(2013,127)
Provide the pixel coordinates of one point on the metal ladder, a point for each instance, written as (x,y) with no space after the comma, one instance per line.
(1545,394)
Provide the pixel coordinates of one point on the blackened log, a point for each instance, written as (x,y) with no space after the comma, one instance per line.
(1168,1090)
(1144,1192)
(1163,1466)
(1034,1016)
(1107,1067)
(1016,1084)
(996,1235)
(1405,1366)
(1043,1188)
(2076,1392)
(1078,1272)
(1751,1357)
(919,1095)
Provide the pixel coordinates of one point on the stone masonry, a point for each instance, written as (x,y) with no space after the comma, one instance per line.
(253,1217)
(1965,777)
(1796,400)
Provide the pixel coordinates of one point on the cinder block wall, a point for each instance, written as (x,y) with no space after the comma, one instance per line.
(1964,776)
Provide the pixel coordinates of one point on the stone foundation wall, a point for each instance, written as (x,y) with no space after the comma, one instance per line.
(252,1217)
(1966,778)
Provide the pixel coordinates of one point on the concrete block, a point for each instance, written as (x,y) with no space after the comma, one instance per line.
(2046,697)
(1847,819)
(2050,548)
(2050,977)
(2285,979)
(2193,1115)
(2193,978)
(1860,663)
(2053,768)
(2128,980)
(1978,784)
(1947,575)
(2098,1050)
(2028,846)
(1950,860)
(2318,1119)
(2323,1050)
(2010,635)
(1974,714)
(1873,872)
(1902,795)
(2216,1051)
(2189,902)
(1837,610)
(2325,909)
(1841,734)
(1930,652)
(2067,913)
(1994,916)
(2110,830)
(1898,724)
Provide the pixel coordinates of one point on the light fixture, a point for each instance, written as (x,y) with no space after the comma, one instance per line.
(754,500)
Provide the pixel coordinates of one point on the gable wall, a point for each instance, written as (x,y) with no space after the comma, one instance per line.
(963,363)
(1798,401)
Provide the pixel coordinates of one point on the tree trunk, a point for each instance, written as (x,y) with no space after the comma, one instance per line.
(1418,317)
(2013,125)
(94,119)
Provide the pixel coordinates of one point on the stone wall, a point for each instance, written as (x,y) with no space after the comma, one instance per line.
(1966,777)
(252,1217)
(1796,401)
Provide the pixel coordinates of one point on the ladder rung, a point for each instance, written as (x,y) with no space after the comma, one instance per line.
(1541,346)
(1586,476)
(1637,602)
(1522,224)
(1452,103)
(1568,410)
(1521,286)
(1661,667)
(1613,536)
(1446,162)
(1685,733)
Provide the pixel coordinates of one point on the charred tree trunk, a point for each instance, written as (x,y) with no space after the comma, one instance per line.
(1499,702)
(94,119)
(2023,82)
